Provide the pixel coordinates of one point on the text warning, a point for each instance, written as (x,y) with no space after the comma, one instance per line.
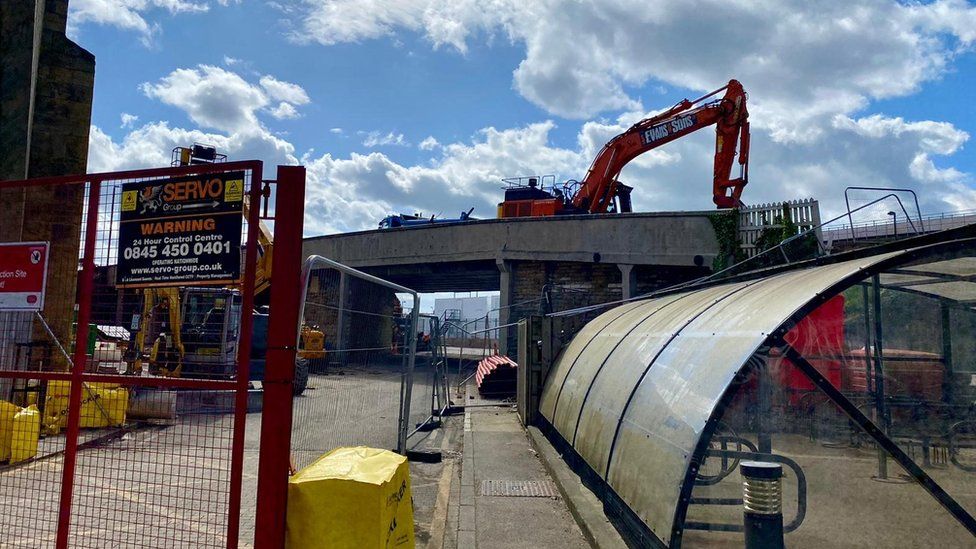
(181,231)
(23,275)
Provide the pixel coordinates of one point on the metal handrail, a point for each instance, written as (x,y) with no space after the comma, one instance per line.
(939,220)
(918,210)
(925,217)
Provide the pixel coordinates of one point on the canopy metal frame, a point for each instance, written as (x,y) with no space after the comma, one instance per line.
(921,250)
(927,254)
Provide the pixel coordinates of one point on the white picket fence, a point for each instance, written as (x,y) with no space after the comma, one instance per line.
(804,213)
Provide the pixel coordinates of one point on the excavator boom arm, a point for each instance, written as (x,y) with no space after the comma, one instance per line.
(730,116)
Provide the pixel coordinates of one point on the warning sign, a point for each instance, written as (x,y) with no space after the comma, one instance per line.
(185,230)
(129,200)
(234,190)
(23,275)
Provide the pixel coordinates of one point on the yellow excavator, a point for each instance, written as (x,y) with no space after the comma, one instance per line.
(195,330)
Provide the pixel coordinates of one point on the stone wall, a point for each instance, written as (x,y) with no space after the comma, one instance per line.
(370,319)
(355,316)
(46,87)
(539,288)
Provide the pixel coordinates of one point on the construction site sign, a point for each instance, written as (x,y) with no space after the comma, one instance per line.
(23,275)
(185,230)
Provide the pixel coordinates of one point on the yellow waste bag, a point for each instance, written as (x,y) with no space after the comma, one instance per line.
(351,498)
(26,431)
(102,405)
(7,413)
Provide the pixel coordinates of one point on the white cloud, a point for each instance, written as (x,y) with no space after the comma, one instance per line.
(128,120)
(151,145)
(810,70)
(803,62)
(873,151)
(377,139)
(283,7)
(354,192)
(936,137)
(231,61)
(354,21)
(213,98)
(284,111)
(960,197)
(284,91)
(955,17)
(129,14)
(429,144)
(922,169)
(220,99)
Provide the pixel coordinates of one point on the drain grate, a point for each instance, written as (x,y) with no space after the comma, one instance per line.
(519,488)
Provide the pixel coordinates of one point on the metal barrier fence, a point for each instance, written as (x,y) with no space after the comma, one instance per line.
(361,387)
(431,394)
(471,341)
(140,394)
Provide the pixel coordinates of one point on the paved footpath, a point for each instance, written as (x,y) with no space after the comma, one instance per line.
(496,448)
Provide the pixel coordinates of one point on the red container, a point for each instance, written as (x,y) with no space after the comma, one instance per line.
(906,373)
(819,337)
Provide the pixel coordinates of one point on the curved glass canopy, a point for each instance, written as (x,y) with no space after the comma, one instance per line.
(644,393)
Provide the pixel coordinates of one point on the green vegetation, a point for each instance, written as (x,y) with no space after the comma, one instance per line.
(726,227)
(782,229)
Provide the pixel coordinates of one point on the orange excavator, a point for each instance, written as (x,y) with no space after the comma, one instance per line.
(601,192)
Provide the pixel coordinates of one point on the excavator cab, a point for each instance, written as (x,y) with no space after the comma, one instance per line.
(532,196)
(537,196)
(193,332)
(211,331)
(203,339)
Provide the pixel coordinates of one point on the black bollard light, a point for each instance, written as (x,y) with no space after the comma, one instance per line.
(762,499)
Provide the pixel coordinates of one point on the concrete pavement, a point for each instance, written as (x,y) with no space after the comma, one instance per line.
(140,475)
(495,447)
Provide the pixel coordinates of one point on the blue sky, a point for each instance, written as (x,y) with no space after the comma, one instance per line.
(392,84)
(424,105)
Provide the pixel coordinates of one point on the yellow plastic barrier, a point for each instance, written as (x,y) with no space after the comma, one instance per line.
(7,413)
(102,405)
(351,498)
(26,430)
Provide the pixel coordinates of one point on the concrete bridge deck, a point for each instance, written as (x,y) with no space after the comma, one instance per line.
(473,248)
(585,259)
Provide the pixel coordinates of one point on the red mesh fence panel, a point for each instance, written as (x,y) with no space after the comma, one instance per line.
(29,489)
(141,393)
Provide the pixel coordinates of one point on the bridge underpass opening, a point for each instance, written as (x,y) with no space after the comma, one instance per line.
(468,321)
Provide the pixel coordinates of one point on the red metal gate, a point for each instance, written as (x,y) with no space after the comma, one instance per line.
(170,473)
